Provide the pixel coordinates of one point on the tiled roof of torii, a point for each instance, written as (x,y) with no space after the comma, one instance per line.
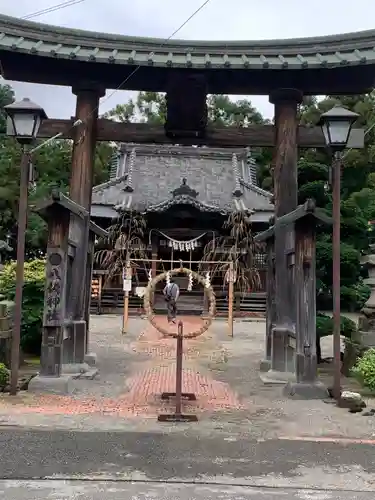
(345,50)
(52,41)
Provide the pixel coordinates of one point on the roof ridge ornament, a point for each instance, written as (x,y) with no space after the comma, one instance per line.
(129,181)
(236,172)
(185,190)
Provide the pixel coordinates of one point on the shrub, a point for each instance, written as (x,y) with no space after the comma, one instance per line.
(4,375)
(32,303)
(364,370)
(324,326)
(354,298)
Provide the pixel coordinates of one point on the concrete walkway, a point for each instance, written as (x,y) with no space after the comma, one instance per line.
(139,462)
(100,490)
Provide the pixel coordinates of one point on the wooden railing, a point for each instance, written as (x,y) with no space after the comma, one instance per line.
(107,298)
(248,304)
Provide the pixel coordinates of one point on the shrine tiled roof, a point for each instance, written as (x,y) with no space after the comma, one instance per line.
(155,178)
(350,49)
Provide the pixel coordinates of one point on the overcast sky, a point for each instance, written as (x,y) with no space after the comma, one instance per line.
(219,19)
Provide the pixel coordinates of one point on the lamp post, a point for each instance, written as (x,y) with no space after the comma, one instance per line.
(336,126)
(23,122)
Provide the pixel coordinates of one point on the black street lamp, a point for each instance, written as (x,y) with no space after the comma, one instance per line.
(23,122)
(336,126)
(24,119)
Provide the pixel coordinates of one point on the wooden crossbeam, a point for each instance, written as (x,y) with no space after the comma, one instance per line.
(224,137)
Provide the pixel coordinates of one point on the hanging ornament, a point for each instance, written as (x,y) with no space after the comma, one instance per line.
(150,276)
(190,284)
(168,278)
(185,245)
(207,282)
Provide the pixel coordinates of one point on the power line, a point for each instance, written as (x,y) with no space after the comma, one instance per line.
(164,42)
(139,66)
(52,8)
(69,3)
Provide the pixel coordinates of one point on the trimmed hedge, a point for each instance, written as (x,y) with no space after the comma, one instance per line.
(32,303)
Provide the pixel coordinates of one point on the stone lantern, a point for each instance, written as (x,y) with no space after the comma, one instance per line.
(4,248)
(366,324)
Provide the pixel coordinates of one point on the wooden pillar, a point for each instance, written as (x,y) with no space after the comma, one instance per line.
(154,258)
(89,268)
(307,385)
(82,172)
(286,103)
(237,302)
(265,364)
(230,298)
(305,283)
(55,292)
(81,181)
(128,276)
(154,270)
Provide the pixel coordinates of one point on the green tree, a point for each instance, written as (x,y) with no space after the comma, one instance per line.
(52,165)
(150,107)
(6,97)
(357,198)
(222,112)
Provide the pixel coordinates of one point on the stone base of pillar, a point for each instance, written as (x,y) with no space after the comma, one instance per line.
(283,349)
(303,390)
(79,371)
(74,343)
(76,361)
(273,377)
(74,368)
(50,359)
(91,358)
(51,385)
(265,365)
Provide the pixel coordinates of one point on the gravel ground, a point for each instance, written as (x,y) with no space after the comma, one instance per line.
(263,412)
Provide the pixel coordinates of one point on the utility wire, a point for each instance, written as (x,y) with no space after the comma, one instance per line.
(52,8)
(69,3)
(161,45)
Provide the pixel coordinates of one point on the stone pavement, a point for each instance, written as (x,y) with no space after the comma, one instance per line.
(177,458)
(100,490)
(223,372)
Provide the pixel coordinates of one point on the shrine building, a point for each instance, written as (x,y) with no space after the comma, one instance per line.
(185,195)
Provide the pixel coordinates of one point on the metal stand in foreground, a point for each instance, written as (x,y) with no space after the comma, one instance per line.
(179,395)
